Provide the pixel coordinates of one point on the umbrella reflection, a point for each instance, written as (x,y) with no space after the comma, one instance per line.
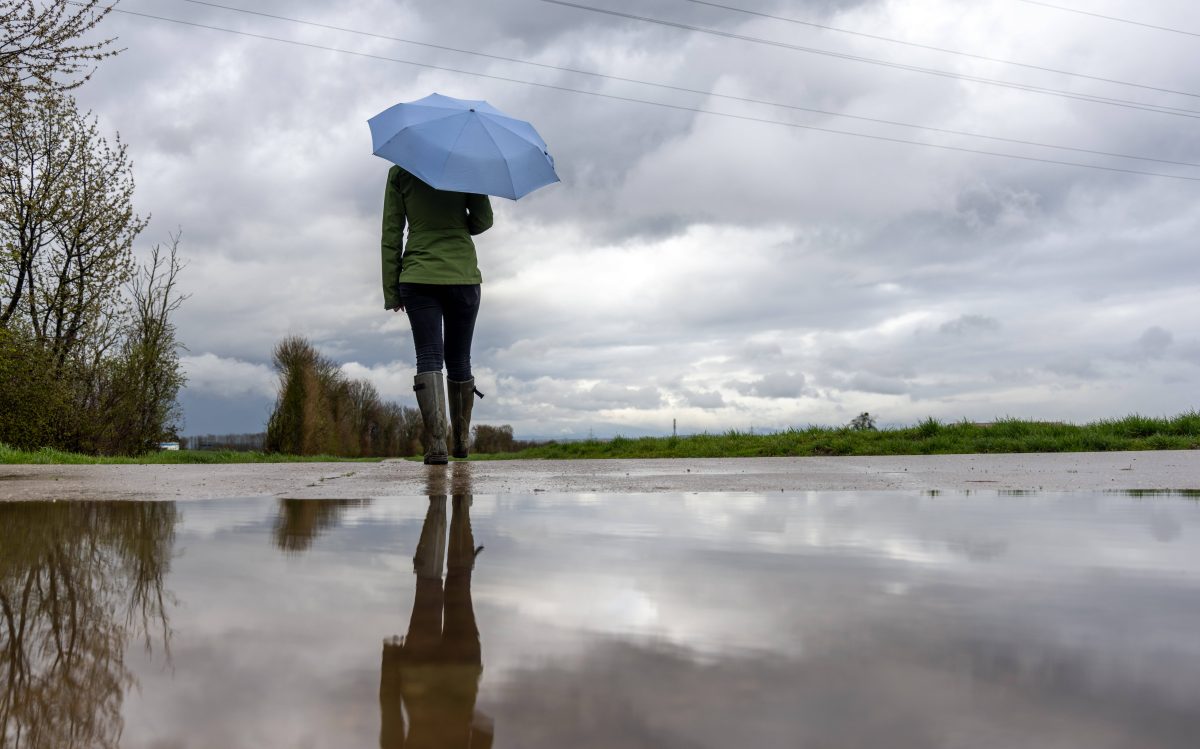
(430,677)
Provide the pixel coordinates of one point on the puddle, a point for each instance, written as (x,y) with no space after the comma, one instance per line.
(451,620)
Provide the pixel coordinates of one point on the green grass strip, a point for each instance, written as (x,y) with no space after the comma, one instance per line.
(930,437)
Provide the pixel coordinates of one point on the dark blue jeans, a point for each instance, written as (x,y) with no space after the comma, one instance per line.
(432,308)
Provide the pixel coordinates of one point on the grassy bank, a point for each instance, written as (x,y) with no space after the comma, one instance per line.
(57,457)
(927,438)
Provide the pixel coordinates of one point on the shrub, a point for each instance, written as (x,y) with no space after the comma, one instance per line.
(320,412)
(35,404)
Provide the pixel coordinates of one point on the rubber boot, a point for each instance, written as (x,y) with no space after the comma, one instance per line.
(431,399)
(462,400)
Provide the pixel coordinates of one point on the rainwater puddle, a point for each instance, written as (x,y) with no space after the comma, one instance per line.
(880,619)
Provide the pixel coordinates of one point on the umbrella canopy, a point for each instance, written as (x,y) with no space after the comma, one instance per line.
(464,146)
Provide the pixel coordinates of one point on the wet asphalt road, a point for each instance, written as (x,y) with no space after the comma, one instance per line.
(1162,470)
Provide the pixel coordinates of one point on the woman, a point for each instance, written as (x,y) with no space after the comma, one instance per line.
(435,279)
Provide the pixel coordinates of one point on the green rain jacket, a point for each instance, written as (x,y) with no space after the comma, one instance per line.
(440,227)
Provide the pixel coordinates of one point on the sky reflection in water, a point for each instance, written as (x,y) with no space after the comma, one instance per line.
(821,619)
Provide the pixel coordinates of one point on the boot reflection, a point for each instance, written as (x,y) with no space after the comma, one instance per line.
(454,479)
(431,676)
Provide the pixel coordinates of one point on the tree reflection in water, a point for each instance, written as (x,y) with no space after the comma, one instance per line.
(300,521)
(78,581)
(431,676)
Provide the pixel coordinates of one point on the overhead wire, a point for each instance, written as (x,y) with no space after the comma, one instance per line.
(701,92)
(1110,18)
(715,5)
(1111,101)
(933,48)
(664,105)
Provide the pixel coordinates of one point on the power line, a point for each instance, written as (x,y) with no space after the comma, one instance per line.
(748,100)
(1126,103)
(664,105)
(1111,18)
(933,48)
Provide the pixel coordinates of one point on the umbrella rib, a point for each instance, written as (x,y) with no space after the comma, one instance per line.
(499,150)
(506,121)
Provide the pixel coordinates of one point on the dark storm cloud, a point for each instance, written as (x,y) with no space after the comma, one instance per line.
(1154,342)
(871,383)
(775,385)
(1079,367)
(704,398)
(970,325)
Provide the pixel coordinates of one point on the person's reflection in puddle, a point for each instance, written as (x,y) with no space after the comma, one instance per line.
(432,674)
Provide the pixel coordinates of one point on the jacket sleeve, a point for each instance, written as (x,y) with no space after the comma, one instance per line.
(392,245)
(479,214)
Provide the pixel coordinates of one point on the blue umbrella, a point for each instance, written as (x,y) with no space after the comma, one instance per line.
(464,146)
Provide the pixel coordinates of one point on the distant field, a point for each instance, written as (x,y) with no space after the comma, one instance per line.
(927,438)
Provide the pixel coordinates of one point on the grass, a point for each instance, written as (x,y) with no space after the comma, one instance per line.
(930,437)
(49,456)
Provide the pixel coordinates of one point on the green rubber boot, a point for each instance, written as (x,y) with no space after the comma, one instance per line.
(462,400)
(431,399)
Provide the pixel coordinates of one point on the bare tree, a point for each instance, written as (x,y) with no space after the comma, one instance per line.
(72,298)
(67,225)
(493,439)
(151,374)
(34,165)
(362,419)
(41,44)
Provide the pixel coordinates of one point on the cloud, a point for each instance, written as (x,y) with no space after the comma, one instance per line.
(704,398)
(393,380)
(1154,342)
(970,325)
(775,385)
(755,350)
(868,383)
(210,374)
(1074,366)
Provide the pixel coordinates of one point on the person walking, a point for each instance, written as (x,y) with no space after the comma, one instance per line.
(435,279)
(450,154)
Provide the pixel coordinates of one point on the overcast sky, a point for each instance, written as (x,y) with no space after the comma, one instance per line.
(722,271)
